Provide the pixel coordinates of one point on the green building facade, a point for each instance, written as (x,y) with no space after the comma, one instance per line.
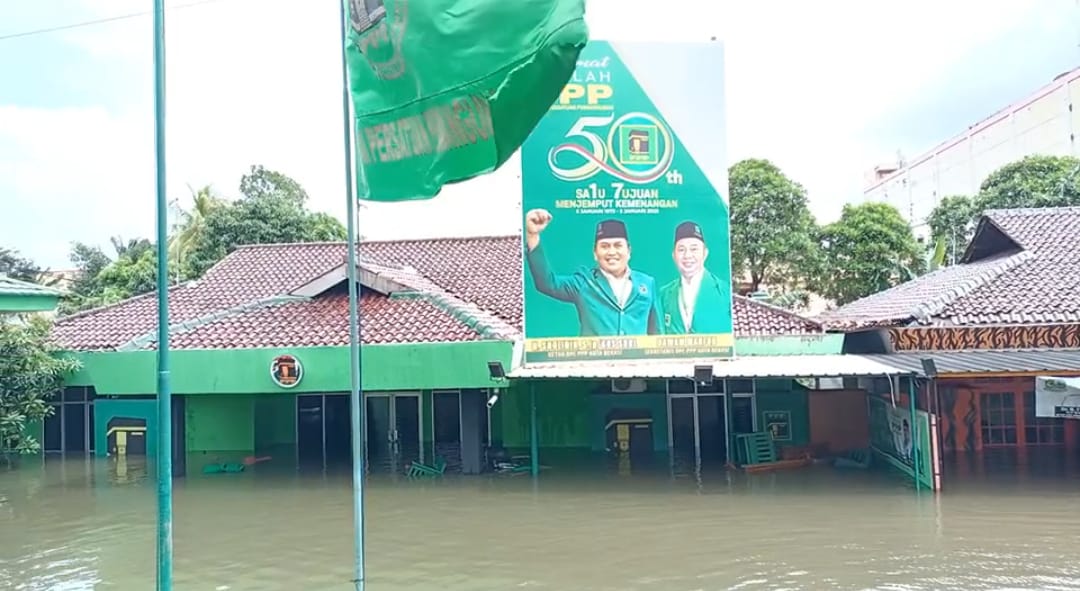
(261,366)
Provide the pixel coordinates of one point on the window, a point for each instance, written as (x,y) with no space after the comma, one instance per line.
(1041,430)
(999,418)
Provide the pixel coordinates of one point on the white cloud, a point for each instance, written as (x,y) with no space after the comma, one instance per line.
(258,81)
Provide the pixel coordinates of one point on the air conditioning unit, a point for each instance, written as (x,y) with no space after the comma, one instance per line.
(628,385)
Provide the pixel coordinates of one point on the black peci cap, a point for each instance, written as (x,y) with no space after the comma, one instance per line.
(688,230)
(609,229)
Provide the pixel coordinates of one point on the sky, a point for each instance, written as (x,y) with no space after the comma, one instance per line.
(824,89)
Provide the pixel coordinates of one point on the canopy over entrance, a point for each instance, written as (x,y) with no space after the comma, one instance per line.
(763,366)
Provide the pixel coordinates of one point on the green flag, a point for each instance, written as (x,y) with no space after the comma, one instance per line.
(446,90)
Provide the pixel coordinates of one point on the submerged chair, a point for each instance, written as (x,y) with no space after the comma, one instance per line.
(417,469)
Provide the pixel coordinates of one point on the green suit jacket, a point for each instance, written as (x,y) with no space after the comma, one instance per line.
(598,311)
(712,310)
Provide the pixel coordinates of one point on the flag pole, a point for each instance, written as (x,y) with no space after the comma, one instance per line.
(355,397)
(164,393)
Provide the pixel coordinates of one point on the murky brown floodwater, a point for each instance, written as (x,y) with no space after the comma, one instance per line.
(74,525)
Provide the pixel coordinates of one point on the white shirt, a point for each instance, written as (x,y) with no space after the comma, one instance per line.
(688,292)
(620,286)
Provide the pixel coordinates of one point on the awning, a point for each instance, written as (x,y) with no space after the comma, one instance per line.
(985,362)
(757,366)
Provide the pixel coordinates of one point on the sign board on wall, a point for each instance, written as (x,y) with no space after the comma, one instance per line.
(894,437)
(1057,397)
(286,371)
(624,188)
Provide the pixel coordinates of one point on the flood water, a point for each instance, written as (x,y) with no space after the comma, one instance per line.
(76,524)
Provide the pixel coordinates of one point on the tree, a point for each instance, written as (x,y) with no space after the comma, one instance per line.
(952,223)
(32,372)
(773,234)
(102,281)
(1032,181)
(190,229)
(272,209)
(869,249)
(15,266)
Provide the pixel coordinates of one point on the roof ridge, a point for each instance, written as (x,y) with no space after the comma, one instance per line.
(142,296)
(924,311)
(469,313)
(1033,210)
(362,243)
(141,341)
(783,311)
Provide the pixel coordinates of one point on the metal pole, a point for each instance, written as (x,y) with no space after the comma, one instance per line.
(534,433)
(914,432)
(355,397)
(164,394)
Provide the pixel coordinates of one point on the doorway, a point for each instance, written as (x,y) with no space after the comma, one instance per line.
(69,429)
(698,429)
(323,430)
(393,431)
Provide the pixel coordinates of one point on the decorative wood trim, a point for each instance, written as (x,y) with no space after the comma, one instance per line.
(1054,336)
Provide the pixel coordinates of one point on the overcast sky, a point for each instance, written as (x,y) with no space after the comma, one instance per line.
(825,89)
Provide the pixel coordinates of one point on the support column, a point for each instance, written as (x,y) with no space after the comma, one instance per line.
(534,434)
(912,401)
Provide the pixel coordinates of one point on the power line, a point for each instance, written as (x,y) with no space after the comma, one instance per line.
(100,21)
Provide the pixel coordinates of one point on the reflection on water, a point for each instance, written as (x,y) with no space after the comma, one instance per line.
(77,524)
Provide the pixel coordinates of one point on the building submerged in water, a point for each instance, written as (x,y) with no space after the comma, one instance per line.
(261,365)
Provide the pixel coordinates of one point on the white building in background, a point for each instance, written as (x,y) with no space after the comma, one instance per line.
(1042,123)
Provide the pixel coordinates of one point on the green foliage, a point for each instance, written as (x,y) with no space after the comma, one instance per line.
(1033,181)
(102,281)
(794,300)
(31,373)
(272,209)
(773,234)
(952,223)
(17,267)
(869,249)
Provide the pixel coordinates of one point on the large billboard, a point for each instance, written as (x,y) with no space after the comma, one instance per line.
(624,195)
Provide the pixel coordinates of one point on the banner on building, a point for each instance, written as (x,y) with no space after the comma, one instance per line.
(901,443)
(624,193)
(1057,397)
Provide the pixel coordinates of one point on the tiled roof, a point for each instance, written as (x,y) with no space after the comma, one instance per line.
(324,321)
(449,290)
(1039,284)
(754,319)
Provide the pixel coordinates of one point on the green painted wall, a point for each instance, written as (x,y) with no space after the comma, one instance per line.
(105,409)
(326,369)
(785,395)
(220,423)
(562,409)
(821,344)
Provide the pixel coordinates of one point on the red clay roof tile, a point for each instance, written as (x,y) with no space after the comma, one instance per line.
(482,272)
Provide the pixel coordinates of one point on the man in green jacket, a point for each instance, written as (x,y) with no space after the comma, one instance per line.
(611,298)
(698,302)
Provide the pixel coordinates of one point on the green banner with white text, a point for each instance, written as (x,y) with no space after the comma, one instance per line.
(446,90)
(624,190)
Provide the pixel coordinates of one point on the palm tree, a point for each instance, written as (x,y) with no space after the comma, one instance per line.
(190,225)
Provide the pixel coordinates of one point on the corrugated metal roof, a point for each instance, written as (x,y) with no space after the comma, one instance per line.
(9,286)
(763,366)
(976,362)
